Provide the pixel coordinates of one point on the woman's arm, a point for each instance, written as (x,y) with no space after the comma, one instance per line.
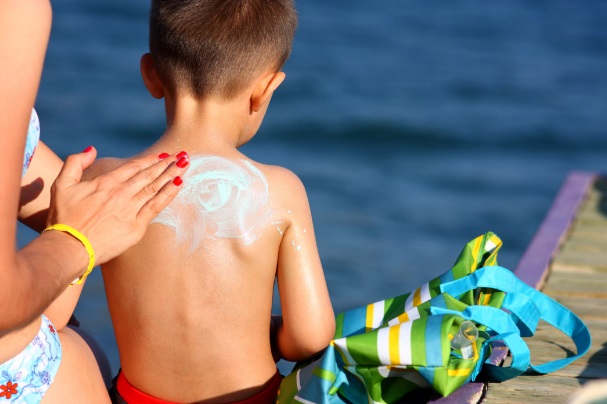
(33,211)
(24,31)
(113,210)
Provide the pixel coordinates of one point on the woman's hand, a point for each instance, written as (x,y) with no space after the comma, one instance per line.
(114,209)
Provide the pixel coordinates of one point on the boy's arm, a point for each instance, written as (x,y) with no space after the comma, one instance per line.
(308,322)
(33,210)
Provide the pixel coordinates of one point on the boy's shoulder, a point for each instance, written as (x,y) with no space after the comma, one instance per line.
(102,166)
(277,173)
(281,179)
(286,189)
(281,186)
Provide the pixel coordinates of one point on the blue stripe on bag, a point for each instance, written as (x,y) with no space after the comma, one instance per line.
(316,391)
(526,313)
(447,277)
(354,322)
(434,353)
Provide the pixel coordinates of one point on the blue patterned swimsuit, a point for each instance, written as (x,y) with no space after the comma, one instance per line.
(25,378)
(33,136)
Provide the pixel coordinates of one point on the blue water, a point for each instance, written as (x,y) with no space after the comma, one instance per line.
(415,126)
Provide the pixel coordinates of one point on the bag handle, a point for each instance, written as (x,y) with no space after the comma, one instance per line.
(551,311)
(507,331)
(525,312)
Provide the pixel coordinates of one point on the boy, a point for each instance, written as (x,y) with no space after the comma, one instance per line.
(191,303)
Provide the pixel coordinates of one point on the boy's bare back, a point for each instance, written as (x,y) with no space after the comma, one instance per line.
(191,303)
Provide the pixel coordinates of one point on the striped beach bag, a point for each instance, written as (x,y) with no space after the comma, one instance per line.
(434,339)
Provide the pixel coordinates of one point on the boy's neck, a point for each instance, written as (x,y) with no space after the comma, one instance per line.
(207,124)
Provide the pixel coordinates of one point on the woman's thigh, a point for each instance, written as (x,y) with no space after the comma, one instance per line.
(78,379)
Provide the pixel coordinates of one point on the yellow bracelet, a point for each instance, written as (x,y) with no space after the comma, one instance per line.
(85,242)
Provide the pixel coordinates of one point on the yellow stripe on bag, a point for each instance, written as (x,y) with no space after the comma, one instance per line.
(404,317)
(459,372)
(394,345)
(369,320)
(475,251)
(417,297)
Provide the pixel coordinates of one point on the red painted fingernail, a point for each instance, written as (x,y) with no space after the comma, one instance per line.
(162,156)
(88,149)
(182,154)
(182,162)
(177,181)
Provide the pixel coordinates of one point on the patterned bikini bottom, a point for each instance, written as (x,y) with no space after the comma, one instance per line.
(26,377)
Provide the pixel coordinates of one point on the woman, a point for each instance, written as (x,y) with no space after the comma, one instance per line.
(101,219)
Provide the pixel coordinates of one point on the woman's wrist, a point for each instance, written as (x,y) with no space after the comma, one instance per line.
(68,252)
(39,273)
(85,243)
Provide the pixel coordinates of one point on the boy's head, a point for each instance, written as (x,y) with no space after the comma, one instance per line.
(216,48)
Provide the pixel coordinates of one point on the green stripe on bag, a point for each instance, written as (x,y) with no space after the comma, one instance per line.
(360,347)
(324,374)
(418,342)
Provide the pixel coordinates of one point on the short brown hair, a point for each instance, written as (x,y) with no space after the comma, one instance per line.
(217,47)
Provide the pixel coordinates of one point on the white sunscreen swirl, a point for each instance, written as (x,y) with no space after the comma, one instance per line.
(221,198)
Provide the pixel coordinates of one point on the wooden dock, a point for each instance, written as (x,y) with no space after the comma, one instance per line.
(567,260)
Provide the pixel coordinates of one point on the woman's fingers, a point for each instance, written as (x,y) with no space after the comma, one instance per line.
(170,169)
(131,169)
(147,182)
(114,209)
(160,200)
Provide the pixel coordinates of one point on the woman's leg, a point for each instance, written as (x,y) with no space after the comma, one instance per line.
(78,379)
(100,356)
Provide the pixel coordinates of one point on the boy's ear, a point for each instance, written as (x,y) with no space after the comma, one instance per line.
(150,76)
(264,89)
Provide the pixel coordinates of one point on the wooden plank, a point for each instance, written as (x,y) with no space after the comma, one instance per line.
(576,280)
(533,389)
(573,284)
(584,307)
(592,222)
(534,263)
(572,262)
(590,248)
(569,264)
(588,234)
(548,333)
